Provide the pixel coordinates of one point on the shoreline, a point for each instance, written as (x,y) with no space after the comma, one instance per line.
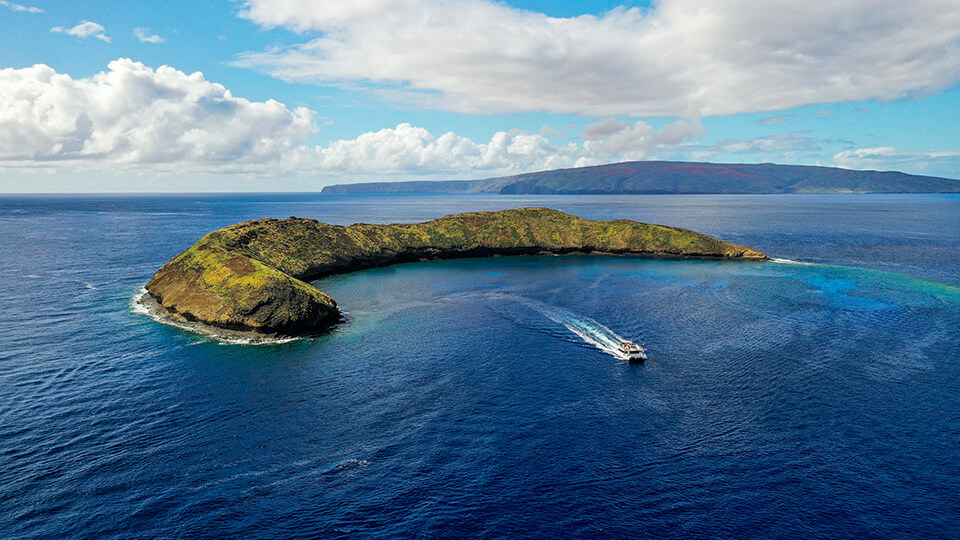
(144,303)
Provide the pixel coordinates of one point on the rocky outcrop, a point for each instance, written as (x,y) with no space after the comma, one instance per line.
(252,276)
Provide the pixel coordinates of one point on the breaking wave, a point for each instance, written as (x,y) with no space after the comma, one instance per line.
(144,304)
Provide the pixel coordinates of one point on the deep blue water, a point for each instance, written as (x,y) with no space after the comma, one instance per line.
(475,397)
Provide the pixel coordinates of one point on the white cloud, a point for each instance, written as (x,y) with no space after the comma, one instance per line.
(144,35)
(167,120)
(134,114)
(84,30)
(776,120)
(680,57)
(546,131)
(407,149)
(778,148)
(410,149)
(603,129)
(772,144)
(612,137)
(18,7)
(937,163)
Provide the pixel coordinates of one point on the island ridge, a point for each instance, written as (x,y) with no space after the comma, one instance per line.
(673,177)
(253,276)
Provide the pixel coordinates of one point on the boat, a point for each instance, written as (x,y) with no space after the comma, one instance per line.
(633,352)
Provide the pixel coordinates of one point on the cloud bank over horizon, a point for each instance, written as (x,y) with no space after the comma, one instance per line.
(134,115)
(683,58)
(165,120)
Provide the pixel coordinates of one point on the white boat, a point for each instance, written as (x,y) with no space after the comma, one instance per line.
(632,351)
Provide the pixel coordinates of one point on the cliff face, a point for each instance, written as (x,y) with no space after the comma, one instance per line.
(209,283)
(251,276)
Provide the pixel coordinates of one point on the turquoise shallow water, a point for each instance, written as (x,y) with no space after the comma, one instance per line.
(480,397)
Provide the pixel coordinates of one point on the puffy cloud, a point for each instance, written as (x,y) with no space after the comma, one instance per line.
(942,163)
(84,30)
(680,57)
(19,7)
(612,137)
(144,35)
(169,120)
(410,149)
(134,114)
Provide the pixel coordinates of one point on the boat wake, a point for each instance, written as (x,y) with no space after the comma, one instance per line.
(588,330)
(788,261)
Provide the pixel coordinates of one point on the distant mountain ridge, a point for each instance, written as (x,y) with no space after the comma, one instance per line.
(670,177)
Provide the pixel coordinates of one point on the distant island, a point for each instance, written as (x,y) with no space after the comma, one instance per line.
(252,276)
(668,177)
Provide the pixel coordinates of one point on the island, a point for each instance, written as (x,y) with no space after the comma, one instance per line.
(253,276)
(674,178)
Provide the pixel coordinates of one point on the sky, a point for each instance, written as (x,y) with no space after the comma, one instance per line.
(293,95)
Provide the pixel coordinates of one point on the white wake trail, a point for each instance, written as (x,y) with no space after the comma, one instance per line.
(587,329)
(788,261)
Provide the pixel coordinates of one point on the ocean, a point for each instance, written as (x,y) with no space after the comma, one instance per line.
(816,396)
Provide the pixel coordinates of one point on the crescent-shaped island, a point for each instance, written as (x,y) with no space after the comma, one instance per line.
(253,276)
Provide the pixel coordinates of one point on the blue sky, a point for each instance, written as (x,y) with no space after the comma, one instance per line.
(275,95)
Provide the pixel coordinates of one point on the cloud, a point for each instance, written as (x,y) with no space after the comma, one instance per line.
(409,149)
(779,143)
(18,7)
(546,131)
(604,129)
(612,137)
(144,35)
(134,114)
(167,120)
(780,148)
(776,120)
(84,30)
(822,112)
(677,58)
(938,163)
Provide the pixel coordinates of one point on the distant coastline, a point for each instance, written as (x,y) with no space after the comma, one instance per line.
(675,178)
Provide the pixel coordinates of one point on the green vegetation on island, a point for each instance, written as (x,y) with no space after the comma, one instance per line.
(253,276)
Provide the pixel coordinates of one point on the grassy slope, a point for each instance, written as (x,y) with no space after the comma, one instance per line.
(251,275)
